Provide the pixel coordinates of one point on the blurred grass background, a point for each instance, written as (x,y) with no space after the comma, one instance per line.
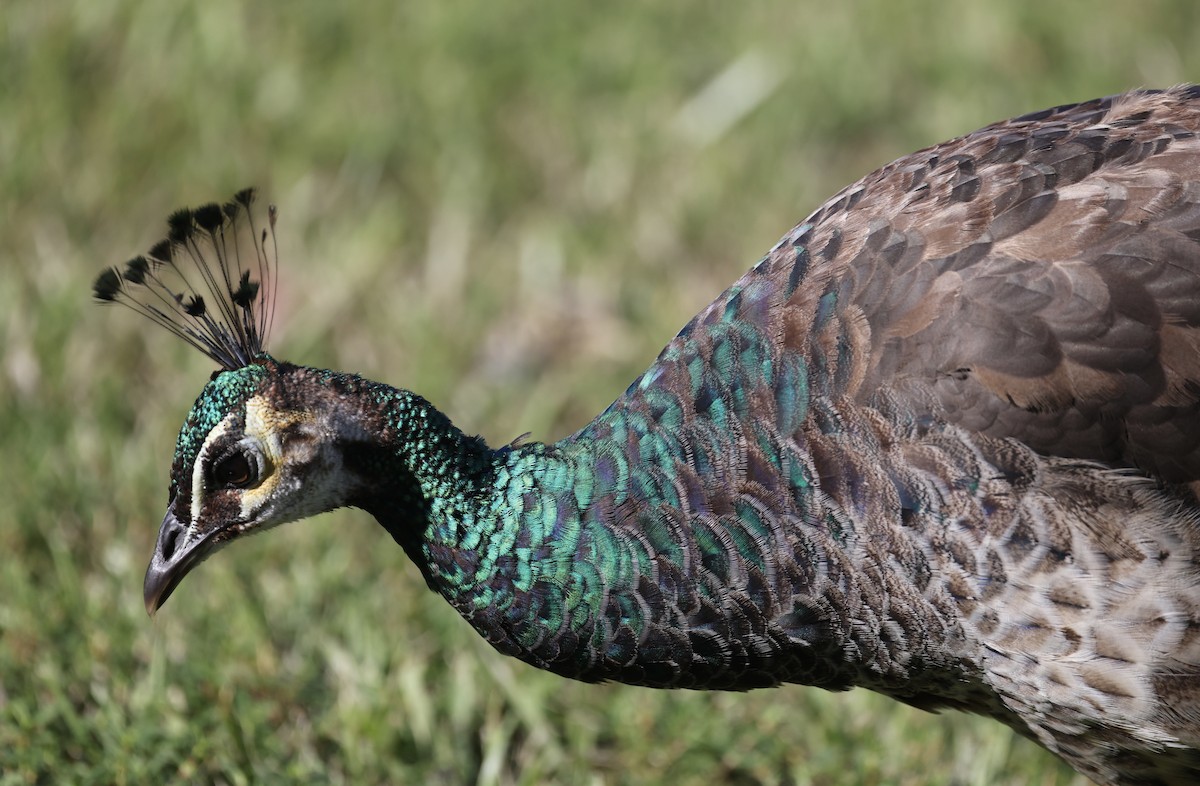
(508,207)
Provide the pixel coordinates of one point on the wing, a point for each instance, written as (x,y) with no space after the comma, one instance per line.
(1038,279)
(1041,280)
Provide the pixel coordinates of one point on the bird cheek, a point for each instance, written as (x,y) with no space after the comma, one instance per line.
(219,510)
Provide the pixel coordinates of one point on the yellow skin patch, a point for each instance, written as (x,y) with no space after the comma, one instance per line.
(265,425)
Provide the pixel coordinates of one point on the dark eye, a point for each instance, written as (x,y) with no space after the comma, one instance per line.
(234,471)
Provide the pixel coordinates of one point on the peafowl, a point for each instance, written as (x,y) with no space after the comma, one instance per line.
(941,442)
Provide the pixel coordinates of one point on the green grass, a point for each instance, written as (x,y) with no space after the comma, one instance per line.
(508,207)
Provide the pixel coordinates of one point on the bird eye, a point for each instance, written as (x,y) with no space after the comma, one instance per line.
(234,471)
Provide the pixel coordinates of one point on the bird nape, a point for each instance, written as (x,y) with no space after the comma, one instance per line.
(941,442)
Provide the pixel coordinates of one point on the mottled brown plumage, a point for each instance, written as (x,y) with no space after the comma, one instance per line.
(1039,279)
(1035,283)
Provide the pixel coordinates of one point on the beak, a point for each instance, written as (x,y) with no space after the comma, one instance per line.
(174,557)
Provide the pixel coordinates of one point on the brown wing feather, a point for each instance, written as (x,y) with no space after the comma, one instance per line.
(1038,279)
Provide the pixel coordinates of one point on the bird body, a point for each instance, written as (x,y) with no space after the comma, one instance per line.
(941,442)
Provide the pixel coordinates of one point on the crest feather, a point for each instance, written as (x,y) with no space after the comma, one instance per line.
(203,283)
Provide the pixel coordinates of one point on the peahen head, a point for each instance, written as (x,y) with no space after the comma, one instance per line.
(263,445)
(258,448)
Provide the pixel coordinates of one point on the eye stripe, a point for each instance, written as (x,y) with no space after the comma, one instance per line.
(199,486)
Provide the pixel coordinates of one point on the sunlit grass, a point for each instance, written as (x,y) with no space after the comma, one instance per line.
(508,207)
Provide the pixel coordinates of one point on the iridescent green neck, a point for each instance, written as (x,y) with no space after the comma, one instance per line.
(555,553)
(662,554)
(421,477)
(515,539)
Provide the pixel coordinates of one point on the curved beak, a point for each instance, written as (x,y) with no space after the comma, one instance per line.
(174,557)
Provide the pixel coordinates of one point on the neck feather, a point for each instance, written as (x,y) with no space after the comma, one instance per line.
(420,476)
(616,555)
